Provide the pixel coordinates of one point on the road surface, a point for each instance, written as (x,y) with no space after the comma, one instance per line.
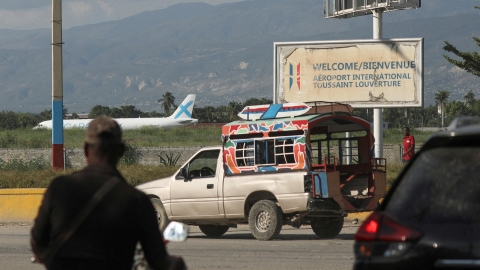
(237,249)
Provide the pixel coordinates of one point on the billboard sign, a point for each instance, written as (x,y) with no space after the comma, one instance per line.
(352,8)
(362,73)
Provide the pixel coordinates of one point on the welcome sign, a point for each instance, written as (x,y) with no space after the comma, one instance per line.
(362,73)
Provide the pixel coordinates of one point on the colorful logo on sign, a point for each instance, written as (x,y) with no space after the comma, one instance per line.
(294,75)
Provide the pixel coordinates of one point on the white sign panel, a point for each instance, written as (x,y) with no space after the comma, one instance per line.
(362,73)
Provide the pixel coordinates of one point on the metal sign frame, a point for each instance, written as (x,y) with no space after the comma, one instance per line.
(353,8)
(380,90)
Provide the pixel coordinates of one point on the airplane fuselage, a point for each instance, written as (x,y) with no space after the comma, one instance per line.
(181,117)
(126,123)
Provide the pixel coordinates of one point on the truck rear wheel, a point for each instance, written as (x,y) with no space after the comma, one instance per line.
(265,220)
(213,230)
(162,217)
(327,228)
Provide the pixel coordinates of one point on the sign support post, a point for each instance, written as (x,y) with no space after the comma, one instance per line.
(378,112)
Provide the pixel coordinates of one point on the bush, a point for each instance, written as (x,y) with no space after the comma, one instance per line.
(25,165)
(169,158)
(132,154)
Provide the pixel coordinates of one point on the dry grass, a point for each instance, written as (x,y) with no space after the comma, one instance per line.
(393,170)
(134,174)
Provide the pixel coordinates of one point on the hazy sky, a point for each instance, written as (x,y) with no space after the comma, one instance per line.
(32,14)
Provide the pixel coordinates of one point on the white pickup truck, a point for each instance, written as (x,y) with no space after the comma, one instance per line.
(294,171)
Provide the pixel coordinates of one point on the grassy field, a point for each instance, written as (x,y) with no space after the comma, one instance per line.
(153,137)
(145,137)
(35,175)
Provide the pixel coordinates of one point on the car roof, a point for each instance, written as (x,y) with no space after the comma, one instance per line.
(463,121)
(459,132)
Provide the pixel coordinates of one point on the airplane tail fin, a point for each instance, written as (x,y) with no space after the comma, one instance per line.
(185,109)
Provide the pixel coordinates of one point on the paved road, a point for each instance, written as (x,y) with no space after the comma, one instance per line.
(237,249)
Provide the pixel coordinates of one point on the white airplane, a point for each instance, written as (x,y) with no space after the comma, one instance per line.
(181,117)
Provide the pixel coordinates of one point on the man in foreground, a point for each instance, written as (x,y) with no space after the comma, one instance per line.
(107,236)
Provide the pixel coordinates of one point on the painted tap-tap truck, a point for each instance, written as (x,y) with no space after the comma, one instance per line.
(283,164)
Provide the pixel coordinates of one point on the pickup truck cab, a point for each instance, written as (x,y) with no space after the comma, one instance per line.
(313,169)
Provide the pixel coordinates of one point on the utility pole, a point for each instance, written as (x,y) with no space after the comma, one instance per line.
(57,87)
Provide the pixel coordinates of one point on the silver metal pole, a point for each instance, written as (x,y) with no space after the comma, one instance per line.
(348,145)
(377,112)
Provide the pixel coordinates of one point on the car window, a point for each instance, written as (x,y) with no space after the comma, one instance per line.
(442,185)
(204,164)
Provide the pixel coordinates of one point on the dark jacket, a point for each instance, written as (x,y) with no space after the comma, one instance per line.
(107,238)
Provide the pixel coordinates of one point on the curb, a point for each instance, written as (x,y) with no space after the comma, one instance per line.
(20,205)
(356,218)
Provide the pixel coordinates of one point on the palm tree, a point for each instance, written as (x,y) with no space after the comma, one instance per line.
(469,99)
(167,102)
(441,98)
(209,113)
(221,113)
(233,109)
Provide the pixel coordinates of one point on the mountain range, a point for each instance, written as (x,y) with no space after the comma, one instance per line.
(221,53)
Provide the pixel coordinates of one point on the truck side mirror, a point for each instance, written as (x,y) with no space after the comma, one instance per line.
(184,173)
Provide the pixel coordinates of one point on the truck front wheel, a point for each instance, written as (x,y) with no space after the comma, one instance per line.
(265,220)
(213,230)
(162,217)
(327,228)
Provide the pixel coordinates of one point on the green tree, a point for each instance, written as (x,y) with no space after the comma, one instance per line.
(8,120)
(46,115)
(199,113)
(256,101)
(470,60)
(99,110)
(25,120)
(151,114)
(475,110)
(129,111)
(233,109)
(454,109)
(221,114)
(167,102)
(115,112)
(429,115)
(209,114)
(64,112)
(469,99)
(441,98)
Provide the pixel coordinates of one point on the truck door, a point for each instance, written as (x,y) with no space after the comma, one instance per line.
(194,193)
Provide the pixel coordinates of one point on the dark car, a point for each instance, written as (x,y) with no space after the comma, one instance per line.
(430,218)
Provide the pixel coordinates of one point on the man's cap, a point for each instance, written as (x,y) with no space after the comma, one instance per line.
(103,127)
